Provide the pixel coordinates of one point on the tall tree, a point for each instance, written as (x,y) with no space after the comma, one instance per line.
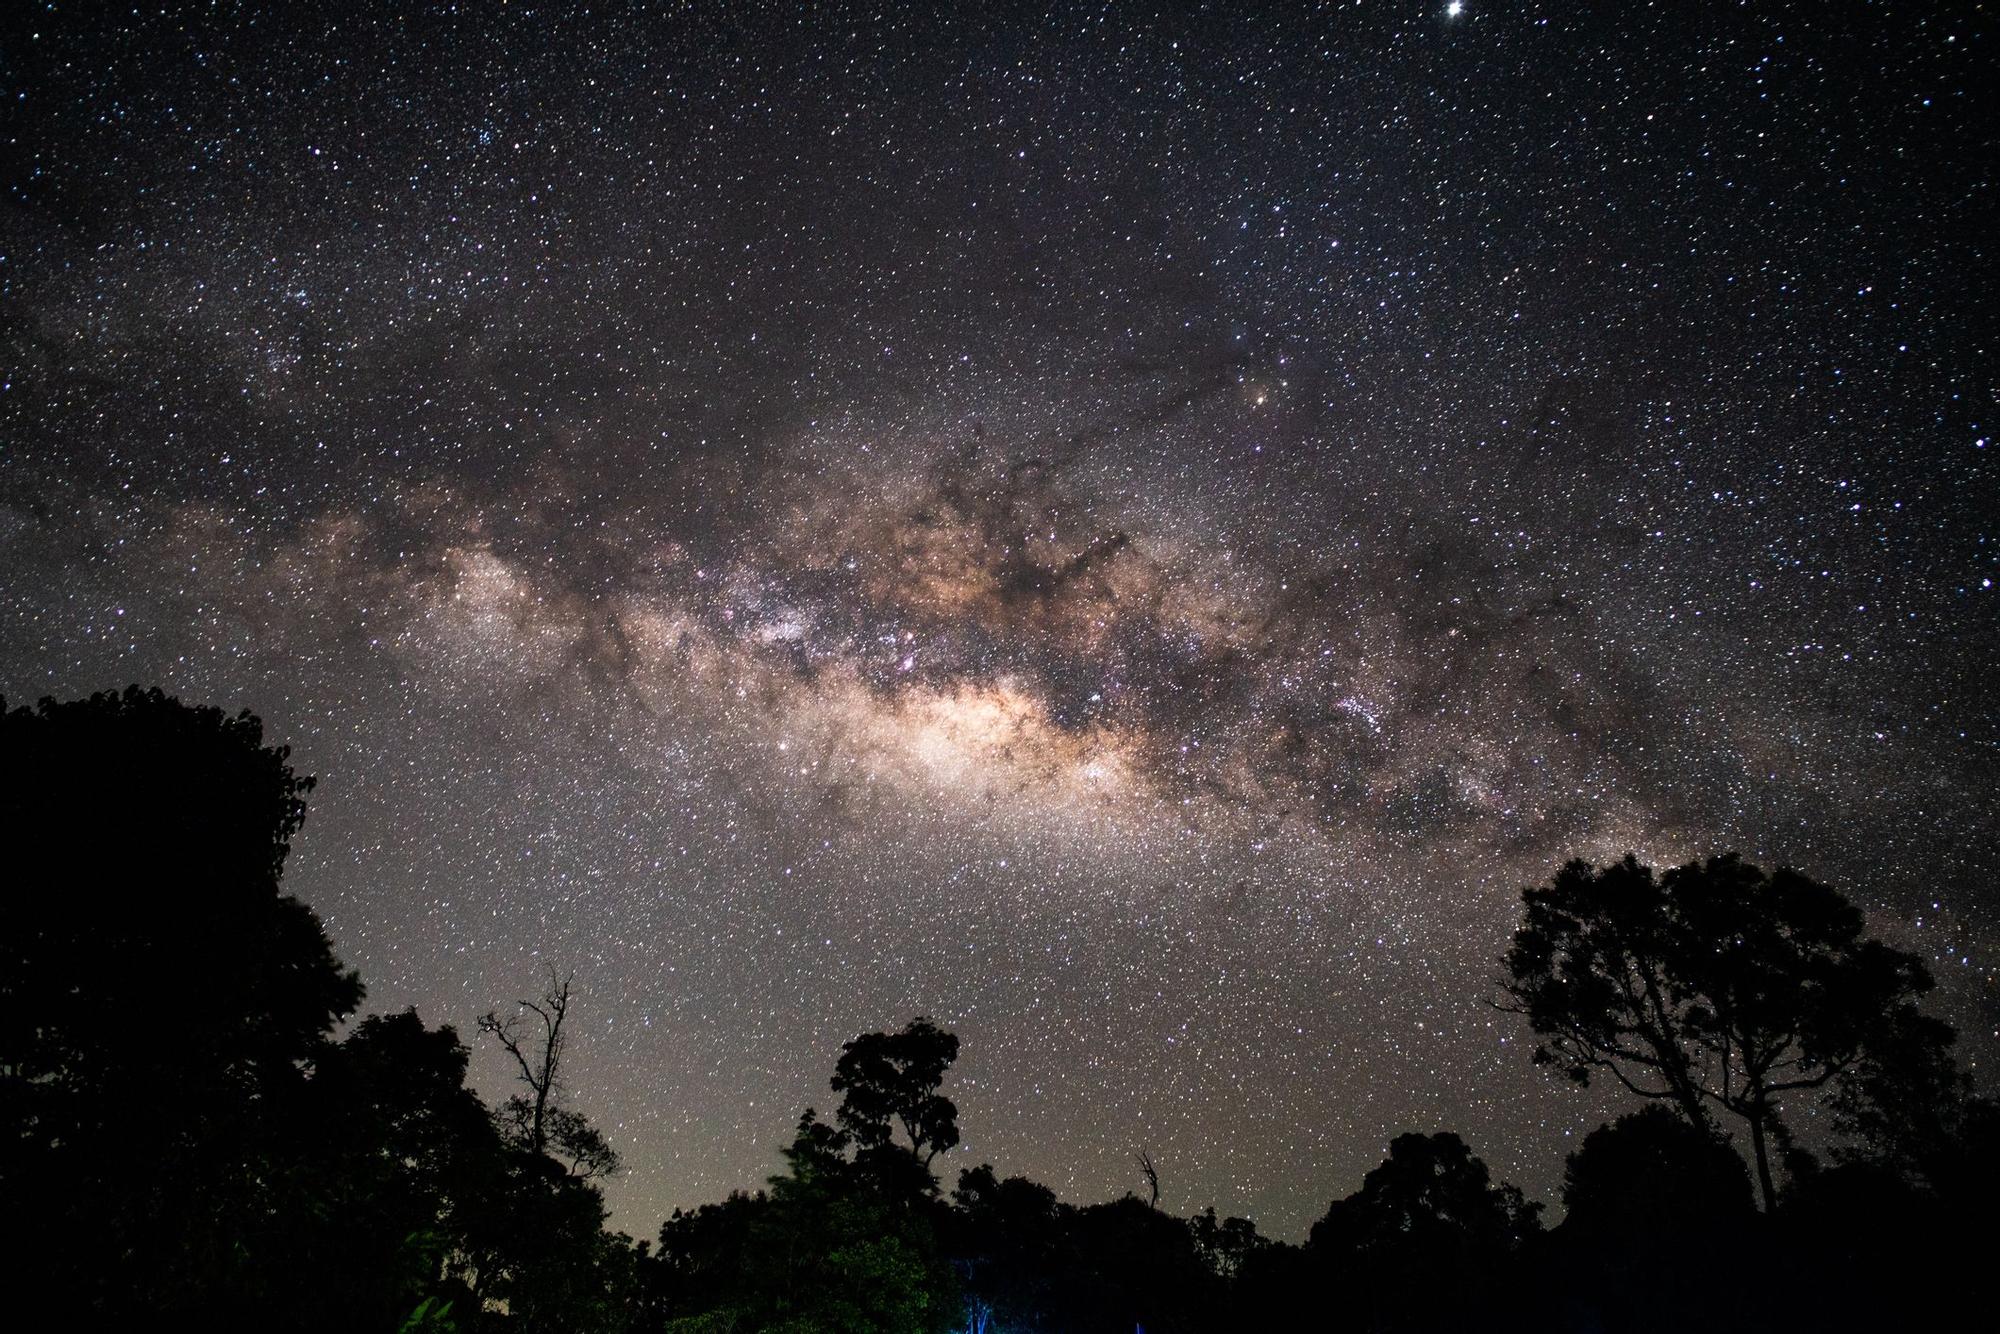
(890,1081)
(538,1239)
(1714,987)
(159,994)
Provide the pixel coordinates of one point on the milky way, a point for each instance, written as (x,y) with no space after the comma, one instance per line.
(1134,532)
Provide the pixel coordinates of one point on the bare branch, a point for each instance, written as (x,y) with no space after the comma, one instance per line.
(1151,1173)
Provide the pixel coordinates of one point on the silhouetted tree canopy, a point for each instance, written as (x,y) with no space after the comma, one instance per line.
(1007,1246)
(1430,1190)
(1714,987)
(1907,1106)
(1652,1173)
(395,1160)
(158,993)
(827,1247)
(538,1244)
(187,1143)
(889,1082)
(190,1143)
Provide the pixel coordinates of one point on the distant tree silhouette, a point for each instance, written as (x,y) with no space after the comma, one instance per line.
(1131,1266)
(1007,1244)
(396,1158)
(1429,1187)
(1661,1232)
(1714,987)
(843,1253)
(538,1120)
(536,1247)
(1652,1174)
(1423,1244)
(539,1243)
(1227,1244)
(890,1082)
(704,1259)
(183,1142)
(847,1237)
(826,1248)
(159,997)
(1151,1173)
(1907,1107)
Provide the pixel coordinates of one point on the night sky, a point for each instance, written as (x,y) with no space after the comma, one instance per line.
(1132,532)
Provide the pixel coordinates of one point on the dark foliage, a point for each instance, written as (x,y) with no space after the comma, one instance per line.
(185,1145)
(889,1082)
(188,1145)
(393,1161)
(158,998)
(1650,1175)
(1714,987)
(1656,1208)
(1428,1240)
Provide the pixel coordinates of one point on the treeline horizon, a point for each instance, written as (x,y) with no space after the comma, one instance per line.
(200,1131)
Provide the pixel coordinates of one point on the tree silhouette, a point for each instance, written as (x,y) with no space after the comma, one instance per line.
(1226,1244)
(1906,1106)
(1131,1266)
(1007,1244)
(841,1251)
(1661,1231)
(395,1154)
(159,995)
(1430,1188)
(538,1120)
(1713,986)
(539,1242)
(1424,1242)
(1151,1172)
(890,1081)
(185,1142)
(1651,1173)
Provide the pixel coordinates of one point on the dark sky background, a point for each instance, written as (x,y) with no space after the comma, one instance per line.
(1133,531)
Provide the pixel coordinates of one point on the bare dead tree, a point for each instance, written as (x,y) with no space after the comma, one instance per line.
(1151,1173)
(538,1119)
(538,1054)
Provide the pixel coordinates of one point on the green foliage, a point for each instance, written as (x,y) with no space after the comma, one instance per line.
(431,1316)
(846,1237)
(709,1322)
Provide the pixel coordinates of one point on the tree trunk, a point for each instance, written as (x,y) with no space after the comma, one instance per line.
(1770,1193)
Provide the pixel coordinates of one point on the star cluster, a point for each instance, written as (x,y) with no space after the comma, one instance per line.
(1133,531)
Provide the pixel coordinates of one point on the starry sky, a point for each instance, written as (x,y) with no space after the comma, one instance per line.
(1132,530)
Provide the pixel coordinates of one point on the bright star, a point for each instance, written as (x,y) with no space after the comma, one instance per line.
(1454,9)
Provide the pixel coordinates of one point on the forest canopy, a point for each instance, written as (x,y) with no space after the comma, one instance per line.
(199,1129)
